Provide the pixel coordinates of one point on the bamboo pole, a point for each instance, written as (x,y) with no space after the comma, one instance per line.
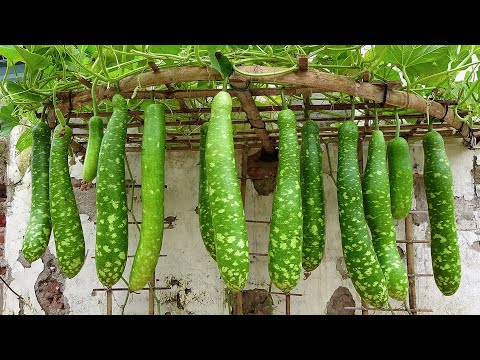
(324,82)
(287,304)
(243,191)
(151,298)
(410,252)
(360,170)
(109,302)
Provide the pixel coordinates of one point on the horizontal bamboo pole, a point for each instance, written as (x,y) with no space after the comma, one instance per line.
(328,82)
(324,82)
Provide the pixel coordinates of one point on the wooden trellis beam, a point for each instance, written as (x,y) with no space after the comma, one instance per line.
(255,119)
(328,82)
(324,82)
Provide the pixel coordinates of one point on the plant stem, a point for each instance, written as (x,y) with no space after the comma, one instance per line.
(352,111)
(102,61)
(157,300)
(284,101)
(397,123)
(225,82)
(94,98)
(377,126)
(469,93)
(284,71)
(99,76)
(429,122)
(124,58)
(459,67)
(329,160)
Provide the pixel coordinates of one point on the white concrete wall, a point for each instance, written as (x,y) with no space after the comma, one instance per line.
(187,268)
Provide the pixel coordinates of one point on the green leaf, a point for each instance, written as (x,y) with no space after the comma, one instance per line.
(427,69)
(166,49)
(34,61)
(409,55)
(18,92)
(25,140)
(12,55)
(7,120)
(220,63)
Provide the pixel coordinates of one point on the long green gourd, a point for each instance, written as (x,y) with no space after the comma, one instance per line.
(376,201)
(360,258)
(441,211)
(153,184)
(67,228)
(313,205)
(286,225)
(400,173)
(39,226)
(112,216)
(224,196)
(204,212)
(95,135)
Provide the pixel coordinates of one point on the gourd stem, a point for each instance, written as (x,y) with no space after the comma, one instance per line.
(225,82)
(397,122)
(284,101)
(377,126)
(352,112)
(94,97)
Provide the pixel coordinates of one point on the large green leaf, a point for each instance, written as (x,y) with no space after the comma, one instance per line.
(11,54)
(25,140)
(422,70)
(18,92)
(7,120)
(34,61)
(220,62)
(409,55)
(166,49)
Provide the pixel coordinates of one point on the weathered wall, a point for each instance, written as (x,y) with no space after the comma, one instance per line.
(191,275)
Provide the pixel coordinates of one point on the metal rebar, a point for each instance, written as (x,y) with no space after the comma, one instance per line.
(129,256)
(282,293)
(413,241)
(382,309)
(419,275)
(127,289)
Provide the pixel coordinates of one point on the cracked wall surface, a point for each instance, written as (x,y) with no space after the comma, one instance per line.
(189,277)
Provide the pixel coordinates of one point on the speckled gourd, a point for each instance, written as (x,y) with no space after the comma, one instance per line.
(204,212)
(400,173)
(376,202)
(39,226)
(360,258)
(67,228)
(231,241)
(441,211)
(153,185)
(313,203)
(111,198)
(286,225)
(95,134)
